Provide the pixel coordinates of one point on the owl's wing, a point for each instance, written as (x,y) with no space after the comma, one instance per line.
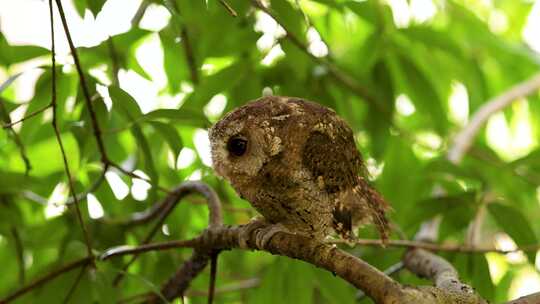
(336,164)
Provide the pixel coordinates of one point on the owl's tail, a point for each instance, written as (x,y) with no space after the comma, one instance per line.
(377,209)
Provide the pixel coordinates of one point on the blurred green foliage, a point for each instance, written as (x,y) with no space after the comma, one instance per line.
(403,76)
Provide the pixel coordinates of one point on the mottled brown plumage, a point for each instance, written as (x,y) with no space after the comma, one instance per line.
(296,162)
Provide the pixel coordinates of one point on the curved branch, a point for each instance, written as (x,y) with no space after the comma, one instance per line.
(528,299)
(464,139)
(163,209)
(426,264)
(380,287)
(357,272)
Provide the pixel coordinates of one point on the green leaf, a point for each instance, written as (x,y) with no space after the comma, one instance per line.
(366,10)
(513,222)
(80,6)
(333,288)
(285,279)
(95,5)
(419,87)
(174,58)
(481,279)
(144,149)
(217,83)
(290,17)
(457,211)
(14,54)
(170,135)
(183,116)
(401,182)
(125,103)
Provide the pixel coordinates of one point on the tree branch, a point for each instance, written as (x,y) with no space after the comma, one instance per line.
(445,277)
(46,278)
(377,285)
(241,285)
(84,86)
(54,123)
(528,299)
(140,13)
(190,58)
(41,110)
(4,115)
(464,139)
(75,284)
(19,250)
(337,74)
(168,204)
(229,9)
(163,208)
(435,247)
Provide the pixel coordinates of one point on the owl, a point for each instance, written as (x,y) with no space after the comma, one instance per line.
(297,164)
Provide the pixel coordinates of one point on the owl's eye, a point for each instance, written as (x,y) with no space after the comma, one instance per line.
(237,145)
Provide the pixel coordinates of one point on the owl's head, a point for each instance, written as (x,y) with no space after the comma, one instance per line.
(245,139)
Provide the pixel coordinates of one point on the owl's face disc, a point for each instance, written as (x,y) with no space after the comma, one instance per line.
(243,140)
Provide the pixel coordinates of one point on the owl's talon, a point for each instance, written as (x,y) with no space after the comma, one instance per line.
(264,235)
(264,231)
(253,225)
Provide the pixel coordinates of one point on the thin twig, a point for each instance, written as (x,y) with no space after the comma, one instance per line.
(82,79)
(87,240)
(190,57)
(16,138)
(464,139)
(135,250)
(183,35)
(19,249)
(75,284)
(140,13)
(135,175)
(229,9)
(169,203)
(338,75)
(11,124)
(132,174)
(46,278)
(83,195)
(237,286)
(213,273)
(435,247)
(114,60)
(163,208)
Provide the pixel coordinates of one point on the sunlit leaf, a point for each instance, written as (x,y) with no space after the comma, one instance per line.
(512,221)
(170,135)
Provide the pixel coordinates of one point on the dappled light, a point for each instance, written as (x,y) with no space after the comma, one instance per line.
(112,191)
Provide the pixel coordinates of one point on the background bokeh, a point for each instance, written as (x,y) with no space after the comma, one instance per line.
(406,75)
